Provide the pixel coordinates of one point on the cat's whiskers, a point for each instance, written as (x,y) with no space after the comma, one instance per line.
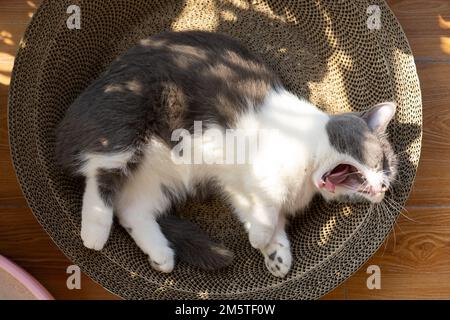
(388,213)
(381,216)
(400,207)
(389,206)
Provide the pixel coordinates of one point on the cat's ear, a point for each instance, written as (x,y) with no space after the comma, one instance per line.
(379,116)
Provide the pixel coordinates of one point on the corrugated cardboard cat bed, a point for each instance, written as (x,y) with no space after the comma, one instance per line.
(342,55)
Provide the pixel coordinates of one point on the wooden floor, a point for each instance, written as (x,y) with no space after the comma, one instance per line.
(415,260)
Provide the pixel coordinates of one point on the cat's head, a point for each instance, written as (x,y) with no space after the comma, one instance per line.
(362,164)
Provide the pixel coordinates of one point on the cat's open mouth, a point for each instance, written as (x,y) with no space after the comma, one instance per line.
(345,175)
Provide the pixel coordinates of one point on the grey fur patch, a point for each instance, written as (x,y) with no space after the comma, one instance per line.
(167,82)
(207,189)
(175,196)
(111,180)
(349,134)
(109,183)
(192,245)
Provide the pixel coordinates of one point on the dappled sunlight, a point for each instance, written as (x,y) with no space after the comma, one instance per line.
(167,284)
(444,40)
(6,65)
(5,79)
(6,61)
(334,104)
(338,56)
(445,44)
(32,4)
(347,210)
(12,28)
(203,294)
(242,5)
(444,24)
(332,39)
(326,231)
(263,10)
(188,18)
(10,41)
(229,16)
(6,38)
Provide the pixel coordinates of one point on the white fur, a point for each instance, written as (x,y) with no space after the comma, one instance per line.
(94,161)
(96,218)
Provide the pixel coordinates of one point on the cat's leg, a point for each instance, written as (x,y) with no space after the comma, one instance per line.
(259,219)
(262,222)
(104,176)
(96,216)
(266,231)
(137,210)
(277,254)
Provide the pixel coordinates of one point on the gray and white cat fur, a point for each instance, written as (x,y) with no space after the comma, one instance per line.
(117,134)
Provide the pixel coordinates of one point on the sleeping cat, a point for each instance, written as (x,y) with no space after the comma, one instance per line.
(119,135)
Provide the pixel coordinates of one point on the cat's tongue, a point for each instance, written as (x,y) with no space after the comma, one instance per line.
(329,186)
(337,176)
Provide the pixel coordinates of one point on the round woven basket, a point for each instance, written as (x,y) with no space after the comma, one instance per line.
(326,51)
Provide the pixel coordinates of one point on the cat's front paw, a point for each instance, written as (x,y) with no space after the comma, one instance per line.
(278,258)
(260,235)
(95,235)
(163,259)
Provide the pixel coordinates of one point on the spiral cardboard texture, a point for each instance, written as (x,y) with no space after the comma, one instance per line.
(322,50)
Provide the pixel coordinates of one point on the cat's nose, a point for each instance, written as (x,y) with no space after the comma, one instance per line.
(374,191)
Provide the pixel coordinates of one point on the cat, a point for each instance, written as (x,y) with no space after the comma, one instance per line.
(119,135)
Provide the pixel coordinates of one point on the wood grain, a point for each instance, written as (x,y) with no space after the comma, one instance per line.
(414,263)
(25,242)
(433,176)
(427,25)
(22,239)
(10,193)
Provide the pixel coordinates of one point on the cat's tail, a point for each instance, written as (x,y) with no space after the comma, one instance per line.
(192,245)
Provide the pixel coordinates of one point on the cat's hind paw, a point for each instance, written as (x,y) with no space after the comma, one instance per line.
(95,234)
(163,259)
(278,258)
(260,236)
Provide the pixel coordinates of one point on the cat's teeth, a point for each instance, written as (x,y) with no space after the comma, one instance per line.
(322,183)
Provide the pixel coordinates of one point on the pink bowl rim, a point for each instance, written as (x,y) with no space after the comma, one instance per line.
(25,279)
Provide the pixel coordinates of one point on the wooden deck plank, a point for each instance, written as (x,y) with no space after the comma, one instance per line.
(413,262)
(27,244)
(433,176)
(427,26)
